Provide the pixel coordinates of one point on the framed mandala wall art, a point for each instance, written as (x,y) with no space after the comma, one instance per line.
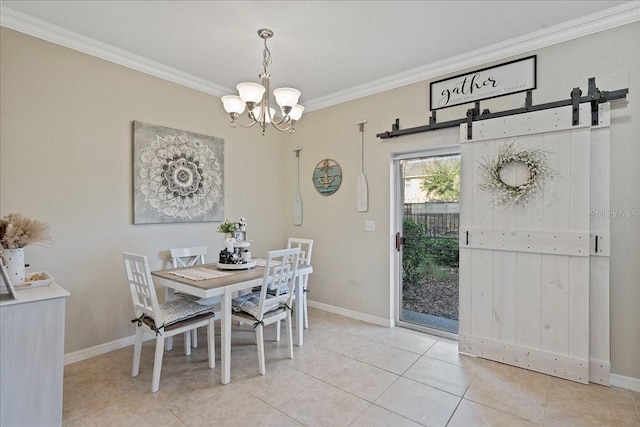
(178,176)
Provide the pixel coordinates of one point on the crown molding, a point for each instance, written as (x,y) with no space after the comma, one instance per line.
(35,27)
(590,24)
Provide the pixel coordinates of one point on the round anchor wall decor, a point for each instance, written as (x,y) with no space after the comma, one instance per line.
(327,177)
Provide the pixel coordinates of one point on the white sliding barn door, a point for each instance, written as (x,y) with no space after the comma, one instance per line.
(525,271)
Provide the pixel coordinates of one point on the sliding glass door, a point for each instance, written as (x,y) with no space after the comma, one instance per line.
(427,240)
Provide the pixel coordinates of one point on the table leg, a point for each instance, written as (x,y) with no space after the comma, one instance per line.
(299,309)
(225,337)
(168,296)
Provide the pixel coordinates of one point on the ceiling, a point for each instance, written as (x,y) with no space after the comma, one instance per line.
(323,48)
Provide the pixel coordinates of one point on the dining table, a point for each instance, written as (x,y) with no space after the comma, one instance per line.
(208,280)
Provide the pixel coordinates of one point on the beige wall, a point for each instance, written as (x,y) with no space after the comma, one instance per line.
(352,268)
(65,147)
(66,158)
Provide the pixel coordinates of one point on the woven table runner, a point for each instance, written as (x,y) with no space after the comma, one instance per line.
(200,273)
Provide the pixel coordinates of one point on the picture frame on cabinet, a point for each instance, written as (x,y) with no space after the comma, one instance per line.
(7,291)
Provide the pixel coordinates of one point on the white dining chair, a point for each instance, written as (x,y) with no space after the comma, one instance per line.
(188,257)
(162,320)
(306,248)
(273,302)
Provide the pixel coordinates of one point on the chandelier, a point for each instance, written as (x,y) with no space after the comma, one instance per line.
(255,98)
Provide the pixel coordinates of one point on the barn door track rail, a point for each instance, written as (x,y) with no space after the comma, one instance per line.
(594,96)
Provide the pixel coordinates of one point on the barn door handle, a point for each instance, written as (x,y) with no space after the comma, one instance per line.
(466,233)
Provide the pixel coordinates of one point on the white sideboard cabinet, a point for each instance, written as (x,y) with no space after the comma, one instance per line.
(32,357)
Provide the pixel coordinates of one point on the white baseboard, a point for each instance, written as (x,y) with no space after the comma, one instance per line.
(387,323)
(98,350)
(629,383)
(101,349)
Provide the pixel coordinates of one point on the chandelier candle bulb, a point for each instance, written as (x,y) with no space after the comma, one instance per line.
(286,97)
(296,112)
(257,114)
(255,98)
(233,104)
(250,92)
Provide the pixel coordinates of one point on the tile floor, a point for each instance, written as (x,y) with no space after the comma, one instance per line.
(349,373)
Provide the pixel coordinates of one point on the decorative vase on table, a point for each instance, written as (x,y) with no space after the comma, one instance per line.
(15,264)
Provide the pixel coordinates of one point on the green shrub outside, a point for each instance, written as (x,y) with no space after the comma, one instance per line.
(426,257)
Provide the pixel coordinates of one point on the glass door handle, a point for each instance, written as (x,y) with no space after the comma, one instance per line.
(399,241)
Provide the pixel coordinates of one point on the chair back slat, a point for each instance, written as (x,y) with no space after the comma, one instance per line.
(143,293)
(187,257)
(305,246)
(279,278)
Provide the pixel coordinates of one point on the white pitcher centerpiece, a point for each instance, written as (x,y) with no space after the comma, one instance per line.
(16,232)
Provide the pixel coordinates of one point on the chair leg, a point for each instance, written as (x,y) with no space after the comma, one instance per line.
(305,311)
(137,351)
(194,338)
(187,343)
(289,335)
(278,330)
(211,343)
(260,340)
(304,301)
(157,364)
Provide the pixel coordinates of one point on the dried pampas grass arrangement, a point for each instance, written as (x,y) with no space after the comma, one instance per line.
(18,231)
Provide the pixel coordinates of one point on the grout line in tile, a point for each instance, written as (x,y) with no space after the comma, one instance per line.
(455,410)
(546,402)
(635,398)
(431,346)
(360,361)
(172,413)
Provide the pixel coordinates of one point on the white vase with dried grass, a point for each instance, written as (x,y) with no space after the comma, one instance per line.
(16,232)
